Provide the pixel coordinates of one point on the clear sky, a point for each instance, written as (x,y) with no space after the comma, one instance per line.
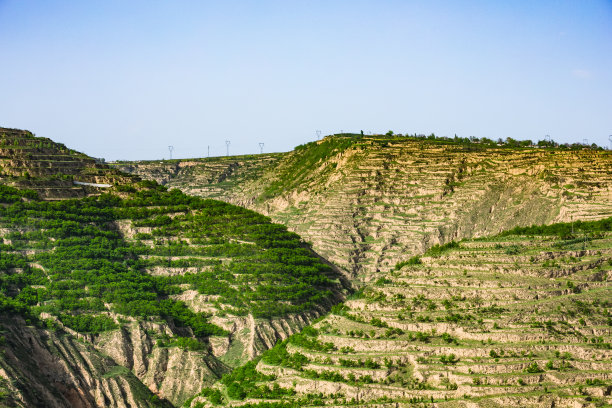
(125,79)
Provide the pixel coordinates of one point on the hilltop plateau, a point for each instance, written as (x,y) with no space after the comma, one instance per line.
(368,202)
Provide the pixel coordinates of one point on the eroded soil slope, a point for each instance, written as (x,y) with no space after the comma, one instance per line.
(519,320)
(367,203)
(136,295)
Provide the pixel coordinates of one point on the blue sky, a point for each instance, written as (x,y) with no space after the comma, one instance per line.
(125,79)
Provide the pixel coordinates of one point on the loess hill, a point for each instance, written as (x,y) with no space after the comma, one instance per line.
(133,295)
(368,202)
(520,319)
(51,169)
(120,292)
(462,304)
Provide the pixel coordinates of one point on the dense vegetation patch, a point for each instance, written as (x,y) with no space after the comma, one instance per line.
(69,259)
(11,195)
(564,230)
(304,160)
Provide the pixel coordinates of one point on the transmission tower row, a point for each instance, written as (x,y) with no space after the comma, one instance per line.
(318,133)
(227,145)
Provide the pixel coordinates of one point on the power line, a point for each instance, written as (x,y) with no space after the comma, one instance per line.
(318,132)
(261,145)
(171,149)
(227,143)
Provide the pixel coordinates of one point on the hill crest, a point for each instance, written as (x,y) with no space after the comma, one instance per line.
(51,169)
(368,202)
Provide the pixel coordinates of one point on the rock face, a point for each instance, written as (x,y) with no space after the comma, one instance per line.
(250,337)
(124,367)
(215,177)
(172,372)
(41,368)
(375,201)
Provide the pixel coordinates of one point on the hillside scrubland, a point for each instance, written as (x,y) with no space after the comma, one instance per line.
(518,319)
(147,276)
(368,202)
(426,272)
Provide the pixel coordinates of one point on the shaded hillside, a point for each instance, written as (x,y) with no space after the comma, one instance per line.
(166,291)
(521,319)
(369,202)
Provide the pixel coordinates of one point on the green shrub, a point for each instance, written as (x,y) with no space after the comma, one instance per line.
(449,359)
(533,368)
(415,260)
(438,250)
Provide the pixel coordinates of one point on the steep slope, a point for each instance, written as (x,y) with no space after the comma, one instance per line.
(369,202)
(167,290)
(520,319)
(48,368)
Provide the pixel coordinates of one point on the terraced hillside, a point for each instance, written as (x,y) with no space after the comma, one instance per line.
(139,296)
(136,295)
(369,202)
(216,177)
(521,319)
(51,169)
